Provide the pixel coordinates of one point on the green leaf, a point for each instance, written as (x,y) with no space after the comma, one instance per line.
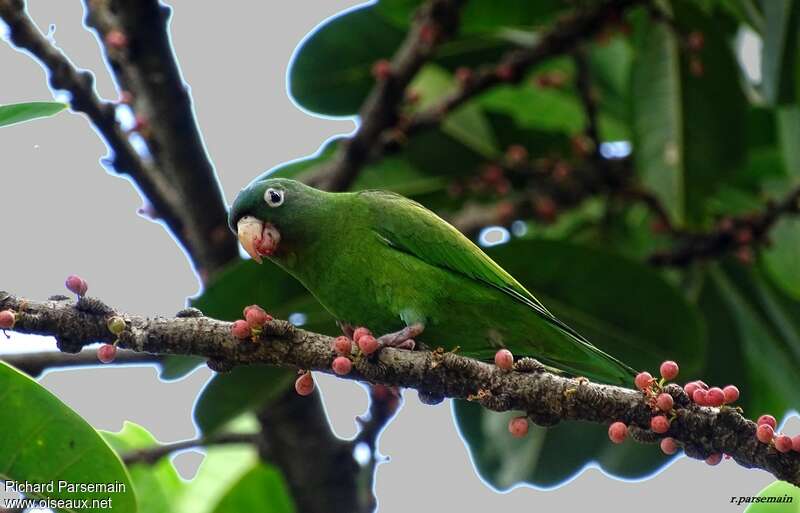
(622,306)
(539,458)
(243,389)
(19,112)
(689,128)
(782,257)
(756,332)
(221,469)
(789,130)
(331,72)
(48,442)
(779,60)
(155,484)
(262,489)
(481,17)
(178,366)
(779,497)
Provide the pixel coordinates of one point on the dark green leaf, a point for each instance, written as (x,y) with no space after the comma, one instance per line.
(620,305)
(689,113)
(782,258)
(779,60)
(19,112)
(262,489)
(48,442)
(539,458)
(243,389)
(331,70)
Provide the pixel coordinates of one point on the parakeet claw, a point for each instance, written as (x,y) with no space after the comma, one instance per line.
(403,339)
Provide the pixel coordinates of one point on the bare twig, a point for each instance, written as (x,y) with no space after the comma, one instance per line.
(547,398)
(35,364)
(151,455)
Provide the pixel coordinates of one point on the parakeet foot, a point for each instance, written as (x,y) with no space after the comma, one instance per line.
(403,339)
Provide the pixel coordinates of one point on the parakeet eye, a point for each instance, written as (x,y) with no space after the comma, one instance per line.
(273,197)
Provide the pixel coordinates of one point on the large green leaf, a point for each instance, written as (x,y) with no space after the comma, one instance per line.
(19,112)
(689,127)
(620,305)
(755,337)
(539,458)
(228,395)
(779,497)
(782,258)
(331,70)
(156,484)
(44,441)
(779,59)
(262,489)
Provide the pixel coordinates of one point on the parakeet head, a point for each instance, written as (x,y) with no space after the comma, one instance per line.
(272,212)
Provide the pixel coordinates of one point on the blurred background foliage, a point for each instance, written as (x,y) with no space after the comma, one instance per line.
(675,129)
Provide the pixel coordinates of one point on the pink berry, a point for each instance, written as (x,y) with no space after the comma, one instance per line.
(668,445)
(241,330)
(690,387)
(518,426)
(669,370)
(702,384)
(783,443)
(504,359)
(643,380)
(764,433)
(382,69)
(796,443)
(731,394)
(304,384)
(664,402)
(342,346)
(659,424)
(767,419)
(505,72)
(714,459)
(116,39)
(256,317)
(715,397)
(7,320)
(342,365)
(700,397)
(76,285)
(106,353)
(367,344)
(617,432)
(360,332)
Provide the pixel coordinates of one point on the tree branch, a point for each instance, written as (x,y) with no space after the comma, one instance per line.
(136,40)
(547,398)
(151,455)
(80,84)
(434,22)
(742,232)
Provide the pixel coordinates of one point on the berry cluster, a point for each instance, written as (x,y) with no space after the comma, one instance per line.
(252,325)
(765,433)
(663,405)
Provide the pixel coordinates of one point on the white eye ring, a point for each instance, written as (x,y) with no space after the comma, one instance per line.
(273,197)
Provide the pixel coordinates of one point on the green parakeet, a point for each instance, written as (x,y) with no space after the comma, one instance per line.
(380,260)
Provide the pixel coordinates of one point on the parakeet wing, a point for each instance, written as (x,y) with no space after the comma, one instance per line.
(409,227)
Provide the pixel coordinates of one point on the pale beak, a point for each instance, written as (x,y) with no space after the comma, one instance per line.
(257,238)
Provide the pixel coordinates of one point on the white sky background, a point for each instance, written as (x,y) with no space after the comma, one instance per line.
(69,216)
